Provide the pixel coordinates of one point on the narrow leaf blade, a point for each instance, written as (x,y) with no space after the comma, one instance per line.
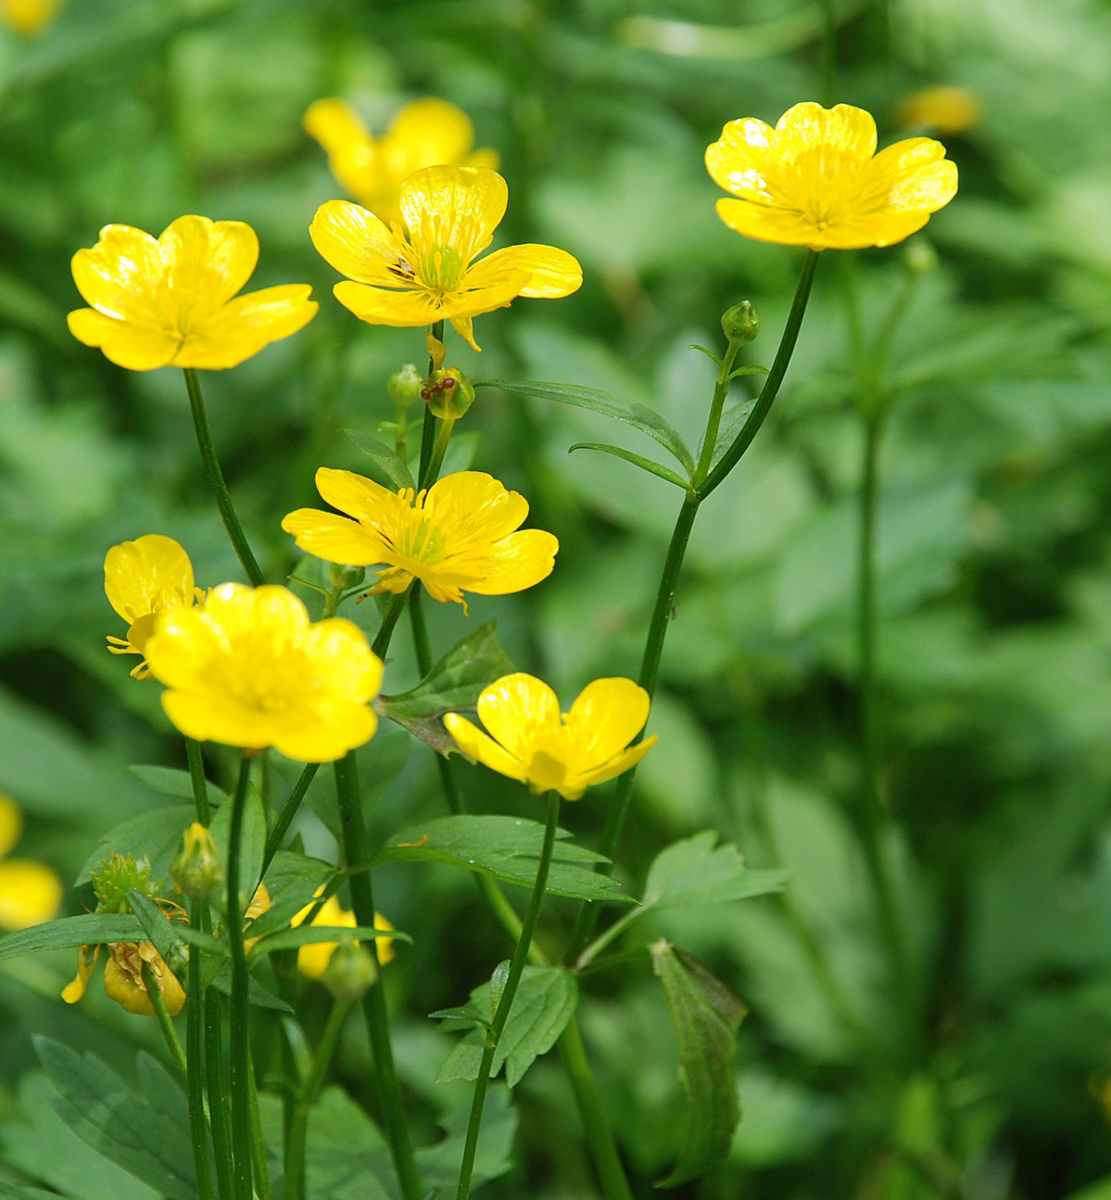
(638,460)
(387,460)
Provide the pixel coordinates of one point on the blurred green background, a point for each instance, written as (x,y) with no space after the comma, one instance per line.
(994,556)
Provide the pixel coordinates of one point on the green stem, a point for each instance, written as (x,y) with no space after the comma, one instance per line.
(374,1002)
(200,784)
(310,1089)
(215,477)
(428,427)
(516,968)
(240,1083)
(443,436)
(194,1078)
(717,404)
(390,617)
(165,1023)
(217,1084)
(258,1143)
(289,811)
(599,1135)
(829,52)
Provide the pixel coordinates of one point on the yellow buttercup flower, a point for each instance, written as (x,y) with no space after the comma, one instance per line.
(816,180)
(461,535)
(313,960)
(945,109)
(143,578)
(29,17)
(424,269)
(123,979)
(535,744)
(166,301)
(423,133)
(30,892)
(248,668)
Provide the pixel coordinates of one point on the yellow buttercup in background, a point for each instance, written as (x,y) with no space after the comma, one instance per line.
(30,892)
(944,109)
(313,959)
(424,270)
(172,300)
(529,740)
(423,133)
(816,180)
(29,17)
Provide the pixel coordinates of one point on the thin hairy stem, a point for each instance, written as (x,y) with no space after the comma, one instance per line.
(240,1083)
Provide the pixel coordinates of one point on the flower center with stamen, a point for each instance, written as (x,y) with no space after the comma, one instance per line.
(441,268)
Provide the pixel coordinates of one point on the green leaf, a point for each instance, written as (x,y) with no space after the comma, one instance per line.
(696,871)
(638,460)
(631,412)
(732,422)
(156,925)
(259,996)
(292,881)
(453,685)
(112,1118)
(439,1164)
(89,929)
(305,935)
(155,836)
(170,781)
(545,1001)
(387,460)
(705,1016)
(507,848)
(252,845)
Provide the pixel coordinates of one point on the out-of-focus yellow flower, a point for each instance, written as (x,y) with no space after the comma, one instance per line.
(423,133)
(816,180)
(30,892)
(143,578)
(260,903)
(425,271)
(461,535)
(248,668)
(28,17)
(944,109)
(169,300)
(535,744)
(313,959)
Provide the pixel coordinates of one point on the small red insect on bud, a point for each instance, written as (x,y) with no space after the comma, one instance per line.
(449,382)
(425,394)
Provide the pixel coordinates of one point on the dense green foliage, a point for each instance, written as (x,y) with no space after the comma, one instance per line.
(994,571)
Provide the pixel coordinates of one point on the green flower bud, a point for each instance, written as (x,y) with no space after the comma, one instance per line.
(343,578)
(197,870)
(741,323)
(350,973)
(448,393)
(404,385)
(115,877)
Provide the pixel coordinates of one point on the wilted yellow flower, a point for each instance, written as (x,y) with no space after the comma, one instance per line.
(423,133)
(313,959)
(815,180)
(423,270)
(169,300)
(944,109)
(123,978)
(248,668)
(143,578)
(461,535)
(30,892)
(533,743)
(28,17)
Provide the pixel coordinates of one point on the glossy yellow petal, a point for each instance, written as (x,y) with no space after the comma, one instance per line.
(376,306)
(604,719)
(914,175)
(360,246)
(203,717)
(551,272)
(123,980)
(240,329)
(386,952)
(335,539)
(738,161)
(336,125)
(30,893)
(517,710)
(842,128)
(121,276)
(76,988)
(151,574)
(182,649)
(237,610)
(485,502)
(424,133)
(621,764)
(207,262)
(354,494)
(313,959)
(346,665)
(766,224)
(464,327)
(136,347)
(477,745)
(11,824)
(456,208)
(260,903)
(520,561)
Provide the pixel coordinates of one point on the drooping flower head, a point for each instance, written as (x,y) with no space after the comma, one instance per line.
(28,17)
(313,959)
(425,270)
(248,668)
(461,535)
(30,892)
(423,133)
(529,739)
(816,180)
(143,578)
(168,301)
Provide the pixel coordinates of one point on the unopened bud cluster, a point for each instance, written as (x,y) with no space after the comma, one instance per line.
(404,385)
(448,393)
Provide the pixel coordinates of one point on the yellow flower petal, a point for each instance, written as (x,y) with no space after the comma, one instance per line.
(240,329)
(944,108)
(30,893)
(809,126)
(517,710)
(11,823)
(208,261)
(520,561)
(605,718)
(424,133)
(354,494)
(359,245)
(621,764)
(151,574)
(136,347)
(914,175)
(121,276)
(738,161)
(336,125)
(486,157)
(353,669)
(402,310)
(123,980)
(551,272)
(335,539)
(203,717)
(453,207)
(86,960)
(464,327)
(484,499)
(479,746)
(338,729)
(28,17)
